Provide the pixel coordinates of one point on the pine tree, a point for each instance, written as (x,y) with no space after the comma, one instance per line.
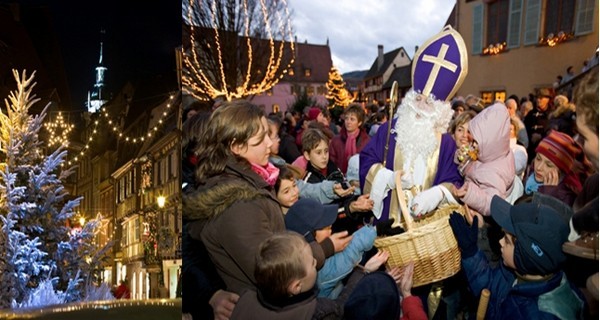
(36,243)
(337,94)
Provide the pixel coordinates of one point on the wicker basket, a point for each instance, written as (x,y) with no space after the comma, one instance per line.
(428,242)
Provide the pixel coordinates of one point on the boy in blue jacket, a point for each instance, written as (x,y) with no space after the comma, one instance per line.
(529,283)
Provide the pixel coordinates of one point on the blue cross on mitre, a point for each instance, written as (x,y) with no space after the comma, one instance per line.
(440,65)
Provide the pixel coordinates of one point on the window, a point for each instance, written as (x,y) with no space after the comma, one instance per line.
(275,108)
(136,229)
(477,28)
(488,97)
(532,22)
(585,16)
(559,16)
(321,90)
(514,23)
(307,72)
(497,21)
(310,91)
(291,72)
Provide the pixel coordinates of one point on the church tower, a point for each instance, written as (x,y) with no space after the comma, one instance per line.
(97,96)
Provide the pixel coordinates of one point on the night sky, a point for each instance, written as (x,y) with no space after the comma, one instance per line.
(140,40)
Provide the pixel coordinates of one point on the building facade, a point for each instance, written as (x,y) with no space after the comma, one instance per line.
(309,73)
(519,46)
(387,67)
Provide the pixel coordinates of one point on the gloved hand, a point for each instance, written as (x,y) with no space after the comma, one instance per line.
(407,180)
(426,201)
(465,235)
(384,228)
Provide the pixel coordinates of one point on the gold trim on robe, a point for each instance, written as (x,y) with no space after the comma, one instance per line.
(432,162)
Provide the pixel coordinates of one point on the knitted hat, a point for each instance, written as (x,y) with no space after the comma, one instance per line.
(374,297)
(313,113)
(540,233)
(562,150)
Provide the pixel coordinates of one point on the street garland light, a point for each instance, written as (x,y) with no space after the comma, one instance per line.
(235,49)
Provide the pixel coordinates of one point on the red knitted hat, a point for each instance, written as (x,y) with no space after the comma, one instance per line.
(313,113)
(563,151)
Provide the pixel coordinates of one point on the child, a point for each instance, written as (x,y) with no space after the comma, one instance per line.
(285,276)
(529,283)
(556,170)
(315,147)
(288,189)
(491,170)
(313,220)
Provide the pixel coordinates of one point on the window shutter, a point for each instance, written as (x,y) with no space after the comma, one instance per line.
(532,22)
(477,28)
(514,23)
(585,17)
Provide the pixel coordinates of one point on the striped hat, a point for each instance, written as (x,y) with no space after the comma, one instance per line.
(563,151)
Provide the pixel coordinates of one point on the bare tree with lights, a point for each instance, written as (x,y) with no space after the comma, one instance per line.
(337,94)
(235,49)
(42,259)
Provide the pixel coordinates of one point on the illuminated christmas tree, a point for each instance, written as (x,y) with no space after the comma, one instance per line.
(337,94)
(42,259)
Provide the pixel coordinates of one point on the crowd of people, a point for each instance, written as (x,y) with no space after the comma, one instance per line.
(281,211)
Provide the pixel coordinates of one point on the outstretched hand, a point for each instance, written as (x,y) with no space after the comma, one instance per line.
(403,278)
(466,236)
(376,261)
(406,280)
(426,201)
(340,240)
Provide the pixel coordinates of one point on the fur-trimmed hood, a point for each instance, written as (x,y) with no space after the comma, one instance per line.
(210,199)
(205,203)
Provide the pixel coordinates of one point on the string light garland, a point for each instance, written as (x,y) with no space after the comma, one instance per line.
(113,127)
(202,83)
(119,134)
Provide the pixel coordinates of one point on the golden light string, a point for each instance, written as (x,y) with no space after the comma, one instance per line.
(205,87)
(111,122)
(248,43)
(85,148)
(220,58)
(200,76)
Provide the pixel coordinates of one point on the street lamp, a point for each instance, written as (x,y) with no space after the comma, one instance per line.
(160,200)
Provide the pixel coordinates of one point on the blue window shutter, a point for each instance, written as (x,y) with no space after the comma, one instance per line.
(477,28)
(532,22)
(514,23)
(585,16)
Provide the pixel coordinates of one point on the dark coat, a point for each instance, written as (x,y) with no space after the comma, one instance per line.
(337,148)
(231,214)
(252,305)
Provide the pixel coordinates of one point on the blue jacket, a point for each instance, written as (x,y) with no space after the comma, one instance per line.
(338,266)
(511,298)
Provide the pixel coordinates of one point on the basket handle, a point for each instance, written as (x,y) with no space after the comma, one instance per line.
(408,220)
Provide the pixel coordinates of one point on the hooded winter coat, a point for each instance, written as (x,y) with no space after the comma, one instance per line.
(232,213)
(494,171)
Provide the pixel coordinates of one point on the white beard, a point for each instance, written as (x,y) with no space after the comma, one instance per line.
(419,124)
